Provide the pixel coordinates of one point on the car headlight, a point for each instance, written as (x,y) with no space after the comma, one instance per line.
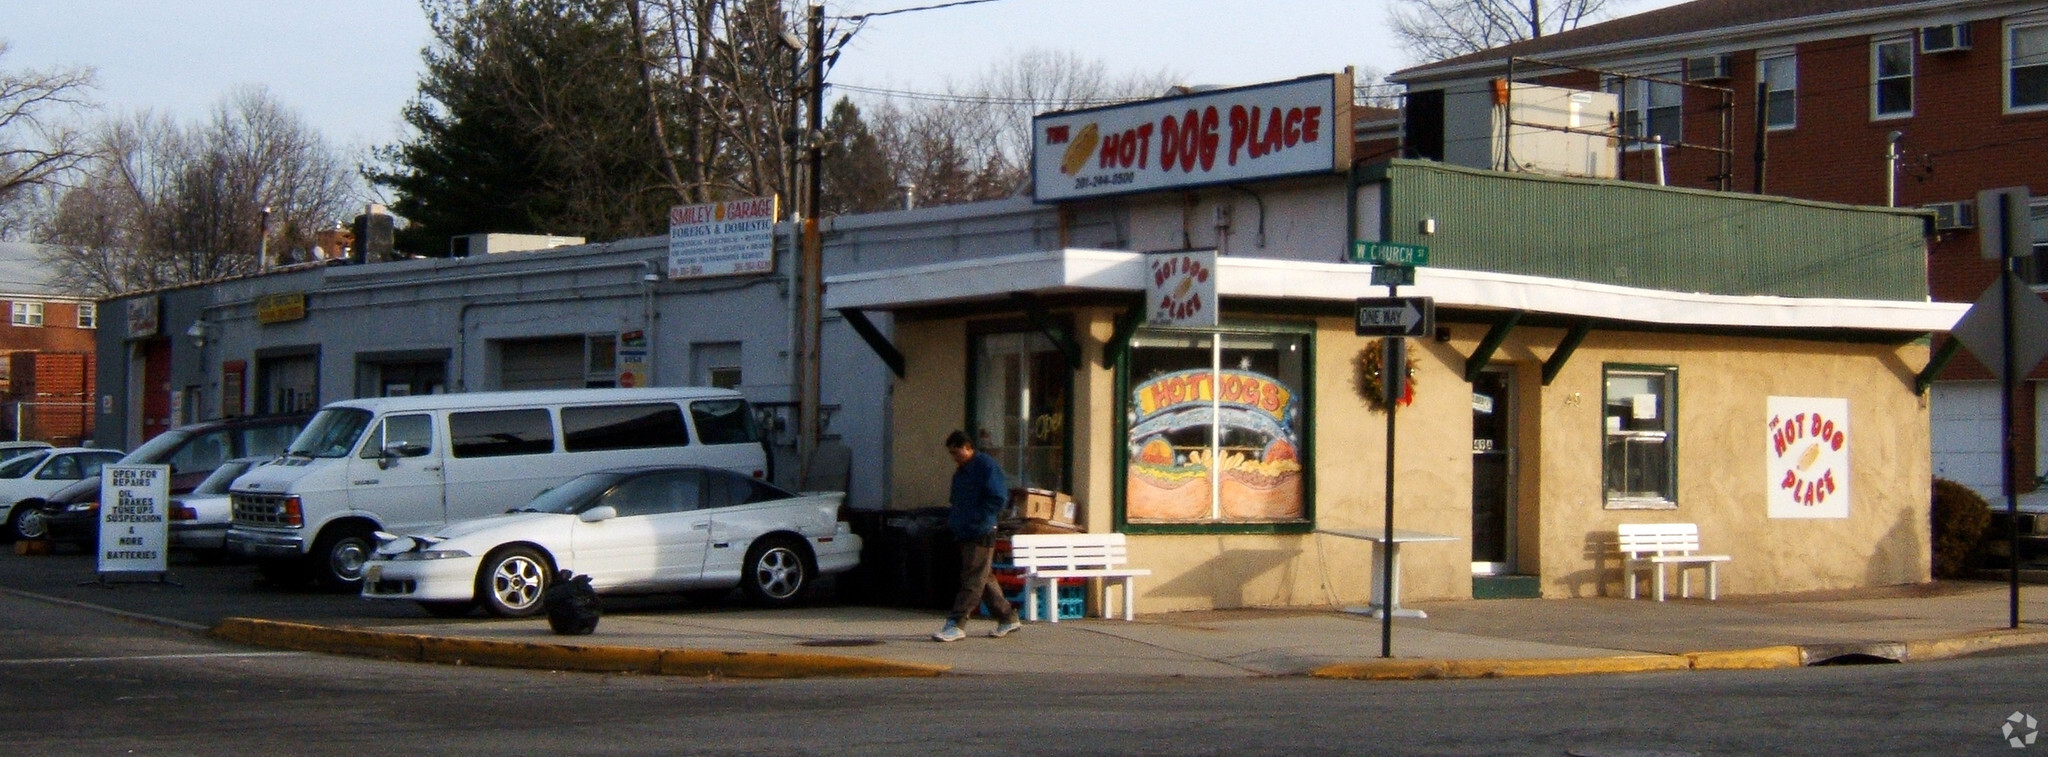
(82,507)
(429,554)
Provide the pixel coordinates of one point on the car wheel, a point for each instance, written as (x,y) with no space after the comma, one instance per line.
(778,571)
(511,580)
(339,557)
(448,609)
(26,523)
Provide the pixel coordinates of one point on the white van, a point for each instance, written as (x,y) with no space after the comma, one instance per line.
(412,464)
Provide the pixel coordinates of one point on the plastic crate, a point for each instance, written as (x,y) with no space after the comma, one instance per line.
(1073,600)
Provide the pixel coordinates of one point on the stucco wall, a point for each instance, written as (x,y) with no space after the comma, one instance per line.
(1564,531)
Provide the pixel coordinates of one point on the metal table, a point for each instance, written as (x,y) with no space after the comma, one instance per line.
(1386,590)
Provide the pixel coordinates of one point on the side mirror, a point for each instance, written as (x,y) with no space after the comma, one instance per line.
(598,513)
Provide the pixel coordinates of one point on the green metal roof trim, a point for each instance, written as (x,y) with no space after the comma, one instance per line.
(1642,235)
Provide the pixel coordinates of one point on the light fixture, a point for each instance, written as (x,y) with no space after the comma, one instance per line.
(198,332)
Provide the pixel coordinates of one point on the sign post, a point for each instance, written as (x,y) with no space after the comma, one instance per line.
(134,520)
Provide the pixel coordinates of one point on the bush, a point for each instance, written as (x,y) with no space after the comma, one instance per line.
(1959,519)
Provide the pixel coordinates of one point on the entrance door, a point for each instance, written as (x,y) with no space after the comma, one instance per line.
(1020,407)
(1493,472)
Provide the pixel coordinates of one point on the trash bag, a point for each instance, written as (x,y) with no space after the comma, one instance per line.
(573,607)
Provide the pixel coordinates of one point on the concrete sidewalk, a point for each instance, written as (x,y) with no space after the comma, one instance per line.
(1480,638)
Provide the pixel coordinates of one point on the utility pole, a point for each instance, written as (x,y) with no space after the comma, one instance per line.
(811,297)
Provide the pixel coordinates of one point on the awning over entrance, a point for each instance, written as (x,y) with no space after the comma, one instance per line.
(1083,270)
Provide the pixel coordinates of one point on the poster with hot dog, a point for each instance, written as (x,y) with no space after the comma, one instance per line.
(1208,445)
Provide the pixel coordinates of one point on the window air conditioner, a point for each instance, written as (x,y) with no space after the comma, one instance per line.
(1708,67)
(1945,38)
(1961,214)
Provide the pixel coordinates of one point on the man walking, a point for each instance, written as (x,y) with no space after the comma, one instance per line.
(978,496)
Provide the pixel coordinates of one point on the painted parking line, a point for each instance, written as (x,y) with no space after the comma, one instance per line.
(132,658)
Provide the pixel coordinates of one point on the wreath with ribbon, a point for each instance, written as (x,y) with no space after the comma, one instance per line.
(1369,387)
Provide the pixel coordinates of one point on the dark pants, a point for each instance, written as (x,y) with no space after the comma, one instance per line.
(977,585)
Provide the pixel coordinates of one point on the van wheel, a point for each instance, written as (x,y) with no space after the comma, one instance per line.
(339,557)
(511,580)
(778,572)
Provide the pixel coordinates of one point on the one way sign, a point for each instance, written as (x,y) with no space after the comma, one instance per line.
(1396,316)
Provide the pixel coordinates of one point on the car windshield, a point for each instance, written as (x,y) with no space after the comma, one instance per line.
(332,433)
(157,449)
(20,466)
(572,496)
(218,481)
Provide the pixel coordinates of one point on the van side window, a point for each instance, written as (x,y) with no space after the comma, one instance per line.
(724,422)
(654,424)
(496,433)
(413,433)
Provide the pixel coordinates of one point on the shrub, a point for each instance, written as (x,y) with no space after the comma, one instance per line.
(1959,519)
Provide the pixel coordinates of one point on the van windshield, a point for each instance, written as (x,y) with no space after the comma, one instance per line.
(331,434)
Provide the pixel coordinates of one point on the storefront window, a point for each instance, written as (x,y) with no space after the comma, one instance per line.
(1214,428)
(1639,459)
(1020,408)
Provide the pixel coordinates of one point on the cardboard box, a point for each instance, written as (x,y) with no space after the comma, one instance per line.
(1043,526)
(1043,504)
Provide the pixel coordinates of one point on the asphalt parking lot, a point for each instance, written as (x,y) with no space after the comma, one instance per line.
(202,594)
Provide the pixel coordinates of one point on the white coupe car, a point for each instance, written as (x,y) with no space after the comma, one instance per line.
(28,479)
(633,531)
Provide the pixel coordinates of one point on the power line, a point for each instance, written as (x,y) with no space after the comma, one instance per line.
(859,17)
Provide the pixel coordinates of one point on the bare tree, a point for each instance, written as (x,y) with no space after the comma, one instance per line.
(163,204)
(1433,30)
(36,146)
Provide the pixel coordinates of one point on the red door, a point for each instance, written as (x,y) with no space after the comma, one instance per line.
(156,388)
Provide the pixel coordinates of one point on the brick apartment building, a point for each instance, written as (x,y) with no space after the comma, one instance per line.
(46,349)
(1960,87)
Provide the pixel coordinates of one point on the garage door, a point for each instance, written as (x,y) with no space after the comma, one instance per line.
(1965,415)
(550,363)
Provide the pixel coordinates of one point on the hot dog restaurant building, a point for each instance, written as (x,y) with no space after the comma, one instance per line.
(1188,364)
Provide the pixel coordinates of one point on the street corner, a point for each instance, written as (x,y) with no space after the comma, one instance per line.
(595,658)
(1416,670)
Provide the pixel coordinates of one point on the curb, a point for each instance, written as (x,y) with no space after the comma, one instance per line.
(582,657)
(1761,658)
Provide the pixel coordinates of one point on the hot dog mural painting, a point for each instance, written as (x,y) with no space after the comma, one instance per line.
(1207,445)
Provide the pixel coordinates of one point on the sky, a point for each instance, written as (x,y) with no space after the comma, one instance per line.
(349,66)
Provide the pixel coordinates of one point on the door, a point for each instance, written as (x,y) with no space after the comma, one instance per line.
(406,488)
(1020,409)
(1493,470)
(656,541)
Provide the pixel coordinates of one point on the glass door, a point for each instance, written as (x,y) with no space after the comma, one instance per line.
(1020,408)
(1492,472)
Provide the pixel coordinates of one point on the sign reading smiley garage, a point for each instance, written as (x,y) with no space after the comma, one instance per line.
(1806,457)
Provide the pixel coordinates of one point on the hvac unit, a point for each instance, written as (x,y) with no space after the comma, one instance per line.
(1709,67)
(1945,38)
(1534,129)
(1961,214)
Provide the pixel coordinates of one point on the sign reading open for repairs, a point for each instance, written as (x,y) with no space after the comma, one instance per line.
(135,511)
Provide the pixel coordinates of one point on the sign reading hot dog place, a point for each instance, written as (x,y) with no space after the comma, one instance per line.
(1181,288)
(1264,131)
(1806,457)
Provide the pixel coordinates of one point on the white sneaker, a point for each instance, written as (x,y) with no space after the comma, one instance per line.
(951,632)
(1005,628)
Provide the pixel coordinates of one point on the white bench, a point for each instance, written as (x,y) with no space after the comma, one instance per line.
(1047,558)
(1646,546)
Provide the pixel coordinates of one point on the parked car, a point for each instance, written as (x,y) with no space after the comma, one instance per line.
(11,450)
(26,480)
(2033,530)
(72,514)
(634,530)
(199,518)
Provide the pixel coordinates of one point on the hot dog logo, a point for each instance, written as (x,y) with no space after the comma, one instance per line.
(1250,471)
(1808,447)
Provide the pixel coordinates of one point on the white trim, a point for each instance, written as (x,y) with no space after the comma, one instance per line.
(2005,64)
(1912,76)
(1790,53)
(1082,270)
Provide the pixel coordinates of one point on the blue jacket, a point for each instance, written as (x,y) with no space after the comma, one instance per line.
(978,497)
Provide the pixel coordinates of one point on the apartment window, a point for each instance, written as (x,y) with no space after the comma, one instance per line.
(1639,460)
(2037,213)
(1892,77)
(1779,73)
(1651,110)
(2026,66)
(28,314)
(88,315)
